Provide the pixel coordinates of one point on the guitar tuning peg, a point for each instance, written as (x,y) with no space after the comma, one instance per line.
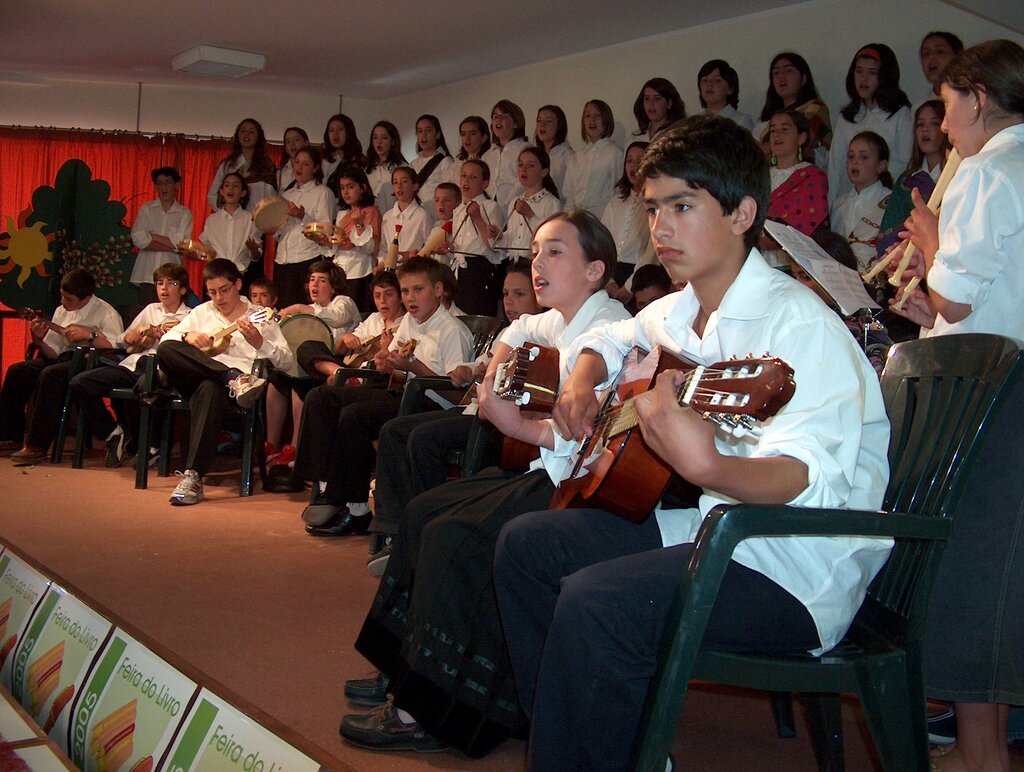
(751,426)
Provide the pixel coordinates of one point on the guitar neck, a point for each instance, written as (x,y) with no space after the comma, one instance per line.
(623,417)
(221,334)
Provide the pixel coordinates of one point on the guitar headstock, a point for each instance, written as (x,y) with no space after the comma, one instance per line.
(29,314)
(510,376)
(407,348)
(740,391)
(529,377)
(263,316)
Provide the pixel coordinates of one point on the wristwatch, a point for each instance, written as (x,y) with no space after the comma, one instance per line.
(93,335)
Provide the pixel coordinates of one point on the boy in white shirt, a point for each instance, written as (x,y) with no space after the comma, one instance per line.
(566,580)
(159,227)
(81,318)
(330,304)
(339,423)
(207,379)
(141,338)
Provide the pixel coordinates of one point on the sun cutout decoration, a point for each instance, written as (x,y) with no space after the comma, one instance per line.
(25,247)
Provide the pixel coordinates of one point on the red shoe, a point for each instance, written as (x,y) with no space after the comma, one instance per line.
(286,456)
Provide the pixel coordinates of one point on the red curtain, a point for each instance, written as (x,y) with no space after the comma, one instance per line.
(30,158)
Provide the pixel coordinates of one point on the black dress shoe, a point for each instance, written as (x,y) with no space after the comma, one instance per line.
(157,398)
(367,691)
(383,730)
(342,524)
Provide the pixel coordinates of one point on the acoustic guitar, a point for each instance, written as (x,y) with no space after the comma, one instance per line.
(260,317)
(615,470)
(31,315)
(399,377)
(358,357)
(529,377)
(150,334)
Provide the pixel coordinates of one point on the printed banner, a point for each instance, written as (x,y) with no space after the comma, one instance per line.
(129,709)
(218,738)
(59,645)
(21,587)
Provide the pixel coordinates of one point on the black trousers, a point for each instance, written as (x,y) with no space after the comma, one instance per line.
(361,291)
(479,286)
(290,280)
(312,351)
(338,427)
(583,596)
(88,390)
(203,381)
(45,383)
(412,456)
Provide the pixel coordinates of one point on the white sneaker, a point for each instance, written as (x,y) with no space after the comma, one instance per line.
(246,389)
(115,448)
(189,489)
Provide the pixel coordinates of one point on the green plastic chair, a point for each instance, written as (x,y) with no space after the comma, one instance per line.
(940,394)
(83,357)
(252,428)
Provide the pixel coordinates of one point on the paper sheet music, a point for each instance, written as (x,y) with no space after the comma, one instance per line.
(842,283)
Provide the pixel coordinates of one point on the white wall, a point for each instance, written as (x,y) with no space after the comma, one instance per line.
(826,32)
(204,111)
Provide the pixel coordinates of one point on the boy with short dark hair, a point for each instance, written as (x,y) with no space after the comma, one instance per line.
(141,338)
(340,423)
(263,293)
(83,319)
(321,363)
(159,227)
(206,374)
(446,198)
(570,582)
(650,282)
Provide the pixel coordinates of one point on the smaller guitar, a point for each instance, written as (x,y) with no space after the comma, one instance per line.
(261,317)
(616,471)
(399,377)
(150,334)
(367,350)
(31,315)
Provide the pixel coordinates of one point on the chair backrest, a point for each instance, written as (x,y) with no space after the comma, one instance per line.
(484,328)
(942,395)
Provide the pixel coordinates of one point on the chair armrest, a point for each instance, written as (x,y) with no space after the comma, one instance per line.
(726,526)
(373,376)
(743,521)
(414,393)
(104,356)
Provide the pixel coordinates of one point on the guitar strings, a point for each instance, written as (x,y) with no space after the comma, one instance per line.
(623,417)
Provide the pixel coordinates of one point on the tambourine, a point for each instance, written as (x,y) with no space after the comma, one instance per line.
(299,328)
(315,231)
(196,249)
(270,214)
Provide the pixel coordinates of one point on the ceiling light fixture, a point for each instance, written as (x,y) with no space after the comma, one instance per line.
(216,62)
